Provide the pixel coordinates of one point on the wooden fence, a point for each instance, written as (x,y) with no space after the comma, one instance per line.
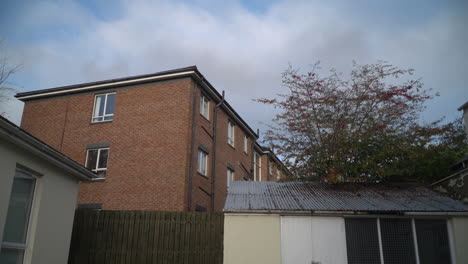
(135,237)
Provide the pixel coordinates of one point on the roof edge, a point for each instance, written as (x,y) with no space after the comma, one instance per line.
(20,137)
(345,213)
(463,106)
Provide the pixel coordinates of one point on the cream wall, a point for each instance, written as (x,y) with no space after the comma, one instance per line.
(252,239)
(53,205)
(460,238)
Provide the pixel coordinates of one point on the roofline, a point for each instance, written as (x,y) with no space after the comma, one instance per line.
(269,152)
(464,106)
(347,213)
(191,71)
(20,137)
(450,176)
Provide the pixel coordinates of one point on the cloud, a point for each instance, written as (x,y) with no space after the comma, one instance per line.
(238,49)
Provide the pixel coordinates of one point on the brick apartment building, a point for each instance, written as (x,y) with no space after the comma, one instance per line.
(163,141)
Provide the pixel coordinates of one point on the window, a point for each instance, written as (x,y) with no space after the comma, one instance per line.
(202,162)
(230,176)
(230,134)
(103,107)
(246,140)
(278,175)
(15,233)
(205,107)
(257,167)
(96,160)
(394,240)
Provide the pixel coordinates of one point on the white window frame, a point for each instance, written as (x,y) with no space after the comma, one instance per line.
(246,144)
(96,169)
(230,176)
(202,162)
(94,116)
(231,134)
(205,107)
(257,165)
(20,246)
(277,174)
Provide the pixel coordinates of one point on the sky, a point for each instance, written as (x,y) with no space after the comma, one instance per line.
(241,47)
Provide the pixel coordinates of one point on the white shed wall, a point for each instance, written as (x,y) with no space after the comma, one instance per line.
(306,240)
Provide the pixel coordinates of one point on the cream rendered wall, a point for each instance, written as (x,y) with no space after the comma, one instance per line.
(252,239)
(53,206)
(460,238)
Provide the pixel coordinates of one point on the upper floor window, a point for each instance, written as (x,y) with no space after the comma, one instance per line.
(246,140)
(205,107)
(96,160)
(230,176)
(202,162)
(103,107)
(15,232)
(230,134)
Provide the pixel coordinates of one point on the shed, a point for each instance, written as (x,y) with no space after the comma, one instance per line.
(312,222)
(38,192)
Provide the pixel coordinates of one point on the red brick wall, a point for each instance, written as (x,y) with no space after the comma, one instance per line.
(149,137)
(225,154)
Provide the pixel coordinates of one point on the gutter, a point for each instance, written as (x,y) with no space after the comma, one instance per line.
(343,213)
(448,177)
(30,143)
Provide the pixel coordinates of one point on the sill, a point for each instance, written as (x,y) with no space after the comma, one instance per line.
(101,122)
(232,146)
(246,153)
(204,117)
(98,179)
(203,175)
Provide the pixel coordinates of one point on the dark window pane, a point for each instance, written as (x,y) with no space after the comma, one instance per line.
(110,104)
(108,118)
(103,158)
(19,208)
(11,256)
(433,243)
(362,241)
(92,159)
(397,241)
(101,174)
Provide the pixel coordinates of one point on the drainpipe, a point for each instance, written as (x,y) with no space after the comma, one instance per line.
(213,163)
(192,147)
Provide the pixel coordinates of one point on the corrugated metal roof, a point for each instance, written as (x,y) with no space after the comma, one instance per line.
(315,196)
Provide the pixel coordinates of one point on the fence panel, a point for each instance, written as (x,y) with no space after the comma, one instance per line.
(133,237)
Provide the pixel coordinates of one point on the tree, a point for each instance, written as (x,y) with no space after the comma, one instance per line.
(362,129)
(6,70)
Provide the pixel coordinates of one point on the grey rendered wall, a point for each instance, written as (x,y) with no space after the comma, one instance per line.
(53,209)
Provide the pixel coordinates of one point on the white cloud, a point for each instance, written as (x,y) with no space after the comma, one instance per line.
(239,51)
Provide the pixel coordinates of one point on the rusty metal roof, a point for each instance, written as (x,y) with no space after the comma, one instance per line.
(316,196)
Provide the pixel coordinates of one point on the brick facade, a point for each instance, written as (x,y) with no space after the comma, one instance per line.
(154,140)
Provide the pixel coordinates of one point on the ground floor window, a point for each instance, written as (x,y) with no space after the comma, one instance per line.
(15,233)
(397,240)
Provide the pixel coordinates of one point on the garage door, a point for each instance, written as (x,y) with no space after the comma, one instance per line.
(313,240)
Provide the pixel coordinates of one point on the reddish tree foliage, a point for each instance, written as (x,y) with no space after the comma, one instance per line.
(349,130)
